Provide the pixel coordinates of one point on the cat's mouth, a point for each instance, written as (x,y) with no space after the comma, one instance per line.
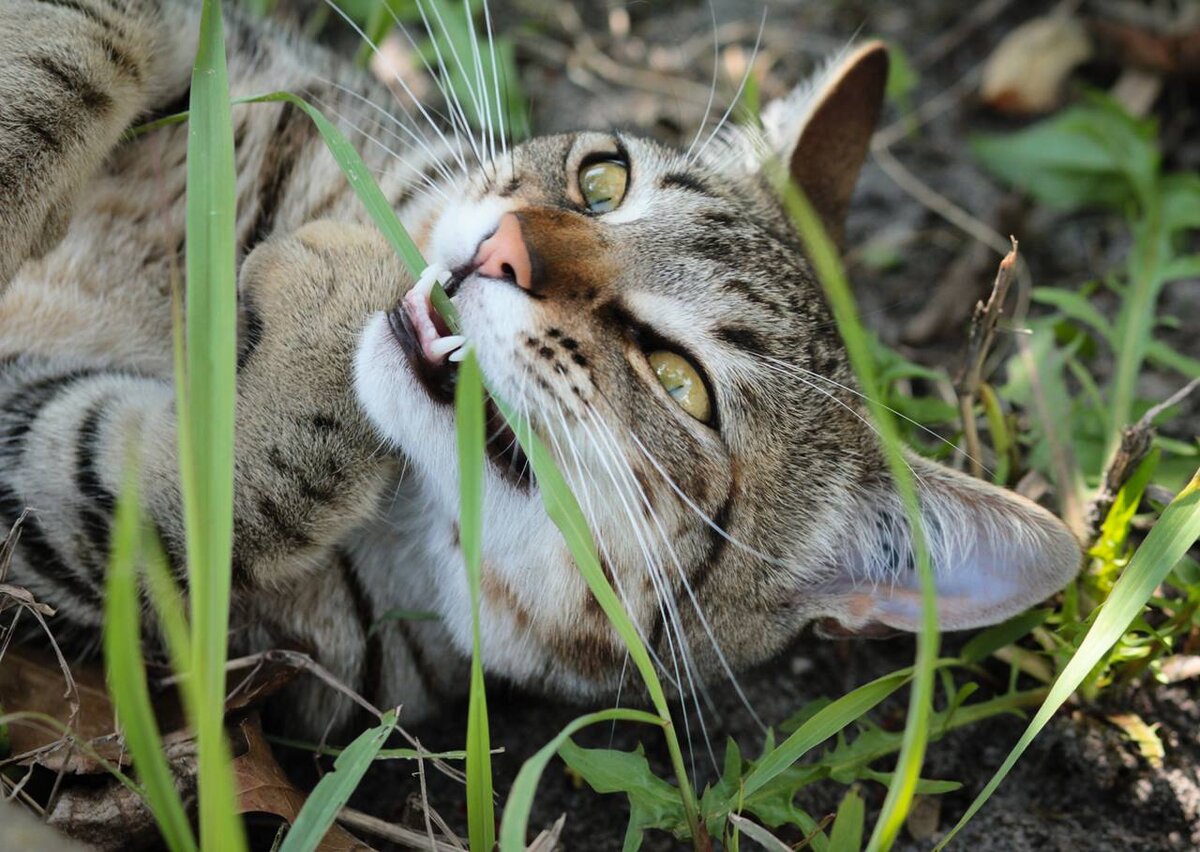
(431,348)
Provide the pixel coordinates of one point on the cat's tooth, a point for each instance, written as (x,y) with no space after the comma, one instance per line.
(458,354)
(434,273)
(443,346)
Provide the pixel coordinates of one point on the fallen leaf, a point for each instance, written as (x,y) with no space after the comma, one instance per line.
(263,787)
(1027,71)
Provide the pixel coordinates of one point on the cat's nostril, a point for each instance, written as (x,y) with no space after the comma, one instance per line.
(504,254)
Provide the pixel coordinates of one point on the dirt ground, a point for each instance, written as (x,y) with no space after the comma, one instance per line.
(1081,785)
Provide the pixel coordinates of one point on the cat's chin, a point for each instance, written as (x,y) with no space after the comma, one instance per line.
(410,401)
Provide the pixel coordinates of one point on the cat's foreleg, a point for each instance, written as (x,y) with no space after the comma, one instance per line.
(308,467)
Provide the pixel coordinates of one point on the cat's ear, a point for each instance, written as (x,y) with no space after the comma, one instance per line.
(994,554)
(823,128)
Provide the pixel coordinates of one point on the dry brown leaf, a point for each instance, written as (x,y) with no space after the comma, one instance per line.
(1028,69)
(31,682)
(262,787)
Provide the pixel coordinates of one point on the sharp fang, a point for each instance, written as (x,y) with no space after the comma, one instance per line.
(443,346)
(458,354)
(433,273)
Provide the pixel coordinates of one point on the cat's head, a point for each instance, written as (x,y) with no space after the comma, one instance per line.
(652,311)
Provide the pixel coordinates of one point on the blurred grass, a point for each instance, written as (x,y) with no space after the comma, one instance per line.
(205,412)
(471,435)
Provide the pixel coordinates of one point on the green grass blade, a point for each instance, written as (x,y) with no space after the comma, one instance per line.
(515,823)
(1175,532)
(824,256)
(360,178)
(847,832)
(127,674)
(206,416)
(348,160)
(334,789)
(824,724)
(469,426)
(1136,320)
(564,511)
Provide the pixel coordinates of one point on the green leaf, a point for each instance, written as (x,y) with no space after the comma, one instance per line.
(823,725)
(1110,543)
(1002,635)
(847,832)
(1176,531)
(825,260)
(127,673)
(205,406)
(515,822)
(470,431)
(1164,356)
(1091,154)
(653,803)
(1181,202)
(334,789)
(1076,306)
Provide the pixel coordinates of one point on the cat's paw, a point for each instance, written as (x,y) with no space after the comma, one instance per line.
(305,300)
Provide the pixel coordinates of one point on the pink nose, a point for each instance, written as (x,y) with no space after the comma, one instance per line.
(504,255)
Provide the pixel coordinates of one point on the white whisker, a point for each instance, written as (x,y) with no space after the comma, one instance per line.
(741,86)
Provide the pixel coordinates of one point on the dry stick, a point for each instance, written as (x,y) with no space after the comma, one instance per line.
(405,837)
(303,661)
(1136,441)
(979,341)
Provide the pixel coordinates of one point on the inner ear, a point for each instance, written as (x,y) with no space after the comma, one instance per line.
(994,554)
(823,132)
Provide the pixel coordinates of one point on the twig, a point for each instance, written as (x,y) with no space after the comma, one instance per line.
(937,202)
(547,841)
(308,664)
(1136,440)
(979,341)
(398,834)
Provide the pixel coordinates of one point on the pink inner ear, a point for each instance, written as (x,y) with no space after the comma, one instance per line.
(994,554)
(831,628)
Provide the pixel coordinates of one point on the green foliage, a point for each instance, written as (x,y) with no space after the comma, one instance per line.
(471,436)
(653,803)
(127,673)
(1096,155)
(335,788)
(205,397)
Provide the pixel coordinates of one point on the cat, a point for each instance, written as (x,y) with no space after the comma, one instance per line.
(650,309)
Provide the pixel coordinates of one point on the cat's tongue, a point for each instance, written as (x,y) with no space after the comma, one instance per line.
(436,342)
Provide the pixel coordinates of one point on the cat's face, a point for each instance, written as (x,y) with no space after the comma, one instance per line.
(653,314)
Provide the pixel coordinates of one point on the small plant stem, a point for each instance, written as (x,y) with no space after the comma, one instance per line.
(983,332)
(1134,446)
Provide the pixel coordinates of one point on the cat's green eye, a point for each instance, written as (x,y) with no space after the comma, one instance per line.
(602,185)
(682,381)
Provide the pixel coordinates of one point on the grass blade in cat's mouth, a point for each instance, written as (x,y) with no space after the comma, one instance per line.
(432,352)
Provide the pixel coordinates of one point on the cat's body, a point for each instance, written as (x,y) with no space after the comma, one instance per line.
(726,526)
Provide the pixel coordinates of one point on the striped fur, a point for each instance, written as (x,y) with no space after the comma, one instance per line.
(724,542)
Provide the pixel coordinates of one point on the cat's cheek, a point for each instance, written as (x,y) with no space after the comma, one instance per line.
(399,407)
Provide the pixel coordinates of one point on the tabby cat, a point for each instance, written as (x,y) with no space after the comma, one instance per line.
(650,309)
